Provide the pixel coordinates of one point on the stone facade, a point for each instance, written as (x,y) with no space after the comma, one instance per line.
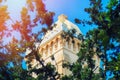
(61,50)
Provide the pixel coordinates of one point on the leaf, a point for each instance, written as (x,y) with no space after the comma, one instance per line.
(77,21)
(2,28)
(16,26)
(24,11)
(3,17)
(30,5)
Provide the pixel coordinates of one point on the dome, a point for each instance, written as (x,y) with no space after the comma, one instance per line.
(62,20)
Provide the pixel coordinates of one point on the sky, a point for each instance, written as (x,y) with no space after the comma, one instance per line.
(71,8)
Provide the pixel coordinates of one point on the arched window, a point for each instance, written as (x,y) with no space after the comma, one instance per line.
(46,50)
(74,46)
(61,43)
(78,46)
(69,44)
(56,44)
(51,47)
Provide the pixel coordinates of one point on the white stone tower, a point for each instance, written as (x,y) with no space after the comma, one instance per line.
(53,44)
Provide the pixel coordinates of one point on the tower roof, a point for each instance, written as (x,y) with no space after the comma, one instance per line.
(62,19)
(63,24)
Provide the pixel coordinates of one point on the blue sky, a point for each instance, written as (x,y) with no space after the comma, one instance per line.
(71,8)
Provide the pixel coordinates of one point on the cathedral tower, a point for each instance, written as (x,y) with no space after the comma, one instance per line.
(53,44)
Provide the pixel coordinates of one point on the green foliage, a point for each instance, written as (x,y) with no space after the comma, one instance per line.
(84,67)
(112,4)
(102,41)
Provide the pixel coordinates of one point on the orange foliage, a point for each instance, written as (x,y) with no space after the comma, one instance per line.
(42,14)
(40,7)
(0,1)
(3,17)
(30,5)
(24,29)
(25,17)
(16,26)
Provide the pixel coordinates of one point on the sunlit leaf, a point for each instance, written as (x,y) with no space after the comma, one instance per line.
(30,5)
